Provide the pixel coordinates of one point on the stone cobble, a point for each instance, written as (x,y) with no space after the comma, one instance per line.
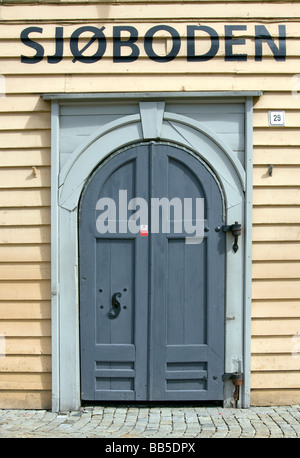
(153,422)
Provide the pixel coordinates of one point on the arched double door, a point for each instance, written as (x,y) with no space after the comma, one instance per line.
(152,291)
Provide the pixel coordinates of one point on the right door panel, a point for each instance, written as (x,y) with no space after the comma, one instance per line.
(188,283)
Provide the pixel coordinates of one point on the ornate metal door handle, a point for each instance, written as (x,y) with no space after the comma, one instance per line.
(115,306)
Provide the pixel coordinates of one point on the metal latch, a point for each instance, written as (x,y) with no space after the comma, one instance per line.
(236,230)
(237,379)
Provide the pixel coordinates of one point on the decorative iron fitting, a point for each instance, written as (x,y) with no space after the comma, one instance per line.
(236,230)
(237,379)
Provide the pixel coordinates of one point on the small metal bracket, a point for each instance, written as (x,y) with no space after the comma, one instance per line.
(270,170)
(237,379)
(234,376)
(230,317)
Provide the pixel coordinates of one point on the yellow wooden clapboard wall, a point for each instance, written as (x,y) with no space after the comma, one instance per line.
(25,161)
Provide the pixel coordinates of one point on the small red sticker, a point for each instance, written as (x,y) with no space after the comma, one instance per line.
(144,229)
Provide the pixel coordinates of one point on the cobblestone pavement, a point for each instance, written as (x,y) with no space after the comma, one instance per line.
(153,422)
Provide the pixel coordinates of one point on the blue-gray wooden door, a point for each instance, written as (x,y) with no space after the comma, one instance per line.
(167,342)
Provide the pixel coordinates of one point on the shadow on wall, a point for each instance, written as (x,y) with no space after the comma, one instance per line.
(103,9)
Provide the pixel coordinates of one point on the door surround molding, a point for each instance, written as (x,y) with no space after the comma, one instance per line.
(67,183)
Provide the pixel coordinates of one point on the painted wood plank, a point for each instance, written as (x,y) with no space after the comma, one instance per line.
(275,215)
(186,353)
(21,253)
(275,101)
(25,271)
(24,103)
(276,137)
(30,310)
(9,31)
(275,270)
(25,217)
(37,84)
(275,344)
(281,233)
(275,363)
(27,346)
(275,397)
(39,234)
(25,328)
(145,65)
(25,157)
(96,109)
(110,352)
(275,309)
(275,380)
(282,176)
(21,382)
(156,11)
(275,327)
(26,363)
(32,121)
(37,197)
(32,139)
(29,290)
(279,289)
(276,155)
(25,177)
(282,195)
(25,400)
(276,251)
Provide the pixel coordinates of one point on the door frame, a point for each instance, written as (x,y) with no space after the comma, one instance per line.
(67,183)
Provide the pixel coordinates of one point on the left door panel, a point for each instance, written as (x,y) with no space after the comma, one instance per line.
(113,281)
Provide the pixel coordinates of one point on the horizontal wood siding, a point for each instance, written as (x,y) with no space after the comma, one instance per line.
(276,251)
(25,233)
(25,161)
